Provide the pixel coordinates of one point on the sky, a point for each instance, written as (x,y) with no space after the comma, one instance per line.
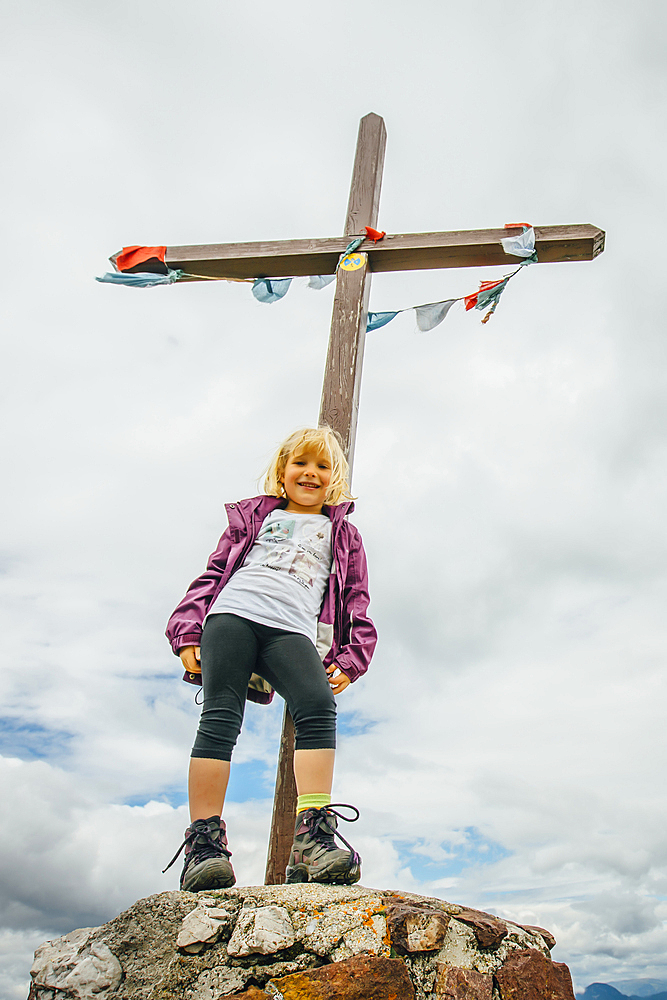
(504,748)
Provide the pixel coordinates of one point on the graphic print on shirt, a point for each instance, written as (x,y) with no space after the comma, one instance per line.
(312,550)
(302,564)
(276,531)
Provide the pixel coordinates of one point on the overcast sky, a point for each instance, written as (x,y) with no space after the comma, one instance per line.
(504,748)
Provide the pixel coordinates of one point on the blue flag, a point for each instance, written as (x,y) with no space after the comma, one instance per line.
(376,320)
(270,289)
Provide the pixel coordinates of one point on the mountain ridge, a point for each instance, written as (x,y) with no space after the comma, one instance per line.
(642,989)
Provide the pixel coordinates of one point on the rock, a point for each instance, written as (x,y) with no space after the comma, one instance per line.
(353,979)
(218,982)
(218,944)
(416,926)
(201,925)
(547,935)
(489,931)
(529,975)
(76,967)
(462,984)
(262,930)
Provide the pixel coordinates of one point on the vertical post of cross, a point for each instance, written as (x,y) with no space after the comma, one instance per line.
(338,409)
(342,373)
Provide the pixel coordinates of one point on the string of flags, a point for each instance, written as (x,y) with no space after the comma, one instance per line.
(269,290)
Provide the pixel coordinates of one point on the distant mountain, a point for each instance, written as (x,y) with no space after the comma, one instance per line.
(632,989)
(641,987)
(602,991)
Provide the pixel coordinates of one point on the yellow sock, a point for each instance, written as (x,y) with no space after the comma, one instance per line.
(314,801)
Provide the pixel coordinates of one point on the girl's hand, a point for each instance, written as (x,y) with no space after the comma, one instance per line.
(338,682)
(190,657)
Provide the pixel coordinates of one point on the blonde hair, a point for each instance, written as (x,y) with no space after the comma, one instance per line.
(322,441)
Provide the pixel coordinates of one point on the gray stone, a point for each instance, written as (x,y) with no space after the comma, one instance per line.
(200,926)
(76,966)
(261,930)
(219,982)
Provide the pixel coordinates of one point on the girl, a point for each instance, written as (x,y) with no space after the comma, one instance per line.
(283,604)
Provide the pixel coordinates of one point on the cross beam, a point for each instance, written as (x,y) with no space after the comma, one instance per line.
(407,252)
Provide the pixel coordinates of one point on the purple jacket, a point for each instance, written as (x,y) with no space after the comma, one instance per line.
(345,633)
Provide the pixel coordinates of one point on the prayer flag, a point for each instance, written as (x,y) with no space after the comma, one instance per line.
(270,289)
(353,245)
(376,320)
(432,314)
(320,280)
(491,294)
(139,280)
(472,300)
(520,246)
(140,259)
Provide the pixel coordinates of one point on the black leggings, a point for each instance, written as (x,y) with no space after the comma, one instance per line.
(232,648)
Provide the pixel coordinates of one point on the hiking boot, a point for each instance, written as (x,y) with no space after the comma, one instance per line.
(315,856)
(206,864)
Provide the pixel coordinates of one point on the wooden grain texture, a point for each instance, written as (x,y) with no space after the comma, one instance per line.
(338,409)
(400,252)
(284,808)
(364,201)
(339,406)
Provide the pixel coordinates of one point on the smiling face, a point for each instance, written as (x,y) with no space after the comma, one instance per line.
(306,480)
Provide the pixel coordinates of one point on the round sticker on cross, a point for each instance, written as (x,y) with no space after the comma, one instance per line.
(353,261)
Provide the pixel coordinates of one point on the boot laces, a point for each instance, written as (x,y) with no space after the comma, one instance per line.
(204,844)
(323,832)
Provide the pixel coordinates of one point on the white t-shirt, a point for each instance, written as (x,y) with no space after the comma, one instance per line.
(282,581)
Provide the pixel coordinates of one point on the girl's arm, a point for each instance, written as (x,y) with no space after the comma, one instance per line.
(184,628)
(359,633)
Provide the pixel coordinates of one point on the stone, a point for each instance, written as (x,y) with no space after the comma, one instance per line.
(461,949)
(143,940)
(261,930)
(530,975)
(220,981)
(547,935)
(416,926)
(217,944)
(201,925)
(367,938)
(350,925)
(462,984)
(76,967)
(489,931)
(355,978)
(198,927)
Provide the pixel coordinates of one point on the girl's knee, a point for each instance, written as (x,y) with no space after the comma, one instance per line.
(316,730)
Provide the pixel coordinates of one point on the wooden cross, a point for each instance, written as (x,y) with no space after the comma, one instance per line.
(342,375)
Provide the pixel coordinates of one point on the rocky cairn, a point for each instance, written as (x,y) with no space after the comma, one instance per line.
(300,942)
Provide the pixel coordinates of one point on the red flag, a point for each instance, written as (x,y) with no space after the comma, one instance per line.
(373,234)
(133,259)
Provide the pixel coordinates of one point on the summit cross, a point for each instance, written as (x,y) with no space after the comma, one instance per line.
(342,373)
